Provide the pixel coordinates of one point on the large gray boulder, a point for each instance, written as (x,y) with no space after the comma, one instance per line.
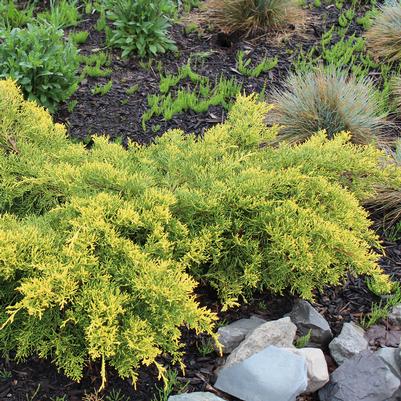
(364,377)
(280,333)
(195,397)
(232,335)
(307,318)
(272,374)
(350,342)
(318,374)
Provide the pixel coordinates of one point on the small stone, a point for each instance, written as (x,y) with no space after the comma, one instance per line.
(395,314)
(272,374)
(318,374)
(391,358)
(350,342)
(280,333)
(364,377)
(232,335)
(307,318)
(198,396)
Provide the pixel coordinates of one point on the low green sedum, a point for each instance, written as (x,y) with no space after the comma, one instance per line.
(101,250)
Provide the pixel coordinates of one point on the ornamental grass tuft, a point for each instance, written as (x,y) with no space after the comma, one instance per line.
(252,17)
(327,100)
(384,36)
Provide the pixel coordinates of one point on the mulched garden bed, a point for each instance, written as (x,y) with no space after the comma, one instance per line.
(119,116)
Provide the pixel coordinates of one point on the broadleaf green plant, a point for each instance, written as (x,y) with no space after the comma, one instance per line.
(140,26)
(43,64)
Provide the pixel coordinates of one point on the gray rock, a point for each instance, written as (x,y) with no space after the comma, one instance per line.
(273,374)
(364,377)
(350,342)
(306,318)
(280,333)
(195,397)
(395,314)
(391,357)
(232,335)
(318,374)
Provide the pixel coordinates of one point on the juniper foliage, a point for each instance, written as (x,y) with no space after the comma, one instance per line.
(101,250)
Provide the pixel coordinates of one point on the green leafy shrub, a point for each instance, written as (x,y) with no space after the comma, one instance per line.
(330,100)
(140,26)
(384,36)
(95,245)
(252,16)
(41,62)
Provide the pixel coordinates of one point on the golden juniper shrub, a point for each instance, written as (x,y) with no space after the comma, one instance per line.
(100,249)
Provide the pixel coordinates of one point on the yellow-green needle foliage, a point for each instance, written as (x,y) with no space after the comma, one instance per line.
(100,249)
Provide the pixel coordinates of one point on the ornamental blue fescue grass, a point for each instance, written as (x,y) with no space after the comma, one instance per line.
(330,100)
(384,36)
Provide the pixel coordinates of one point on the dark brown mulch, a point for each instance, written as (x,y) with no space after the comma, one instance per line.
(119,115)
(213,54)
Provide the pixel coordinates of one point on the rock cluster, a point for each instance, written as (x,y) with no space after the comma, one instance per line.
(262,363)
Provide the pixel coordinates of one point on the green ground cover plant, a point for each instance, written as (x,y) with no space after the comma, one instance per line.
(79,37)
(42,62)
(172,100)
(205,95)
(94,65)
(330,100)
(102,89)
(382,309)
(244,65)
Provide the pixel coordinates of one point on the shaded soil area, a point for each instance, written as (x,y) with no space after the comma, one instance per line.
(118,115)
